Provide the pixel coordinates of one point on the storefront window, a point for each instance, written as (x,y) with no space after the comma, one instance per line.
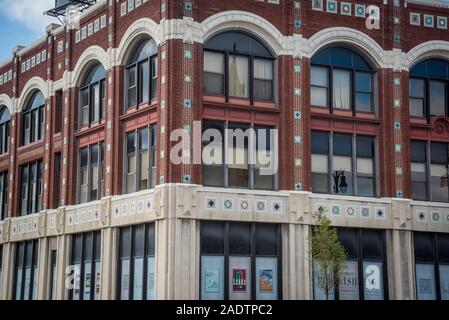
(240,261)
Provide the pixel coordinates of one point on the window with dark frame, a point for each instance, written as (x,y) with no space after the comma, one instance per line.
(136,278)
(25,270)
(344,164)
(429,170)
(240,261)
(342,79)
(31,188)
(90,173)
(1,266)
(141,159)
(237,65)
(3,195)
(429,89)
(5,120)
(238,172)
(33,119)
(59,111)
(86,260)
(431,265)
(365,275)
(141,74)
(92,97)
(57,180)
(52,278)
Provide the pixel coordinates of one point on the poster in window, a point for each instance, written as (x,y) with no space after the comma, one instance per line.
(319,293)
(97,281)
(267,278)
(373,280)
(138,279)
(444,281)
(425,282)
(239,281)
(124,281)
(77,283)
(349,282)
(212,277)
(150,279)
(240,278)
(26,290)
(212,280)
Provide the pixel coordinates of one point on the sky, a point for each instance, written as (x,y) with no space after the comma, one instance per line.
(21,23)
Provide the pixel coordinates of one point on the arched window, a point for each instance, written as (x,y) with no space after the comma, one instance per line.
(33,119)
(428,89)
(341,79)
(141,74)
(92,96)
(238,65)
(5,119)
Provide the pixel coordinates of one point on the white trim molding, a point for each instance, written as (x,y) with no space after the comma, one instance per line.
(35,83)
(88,58)
(6,101)
(426,50)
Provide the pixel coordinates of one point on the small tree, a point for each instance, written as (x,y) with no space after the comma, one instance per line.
(328,253)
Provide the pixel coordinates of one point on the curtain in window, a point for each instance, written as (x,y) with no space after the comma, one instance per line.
(238,77)
(342,89)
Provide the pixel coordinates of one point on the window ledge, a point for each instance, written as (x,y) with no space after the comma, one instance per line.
(141,108)
(240,103)
(33,145)
(84,130)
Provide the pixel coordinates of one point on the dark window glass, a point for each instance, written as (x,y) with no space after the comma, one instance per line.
(25,271)
(424,249)
(342,145)
(320,142)
(141,74)
(439,153)
(59,111)
(5,119)
(266,240)
(443,247)
(239,239)
(437,98)
(349,239)
(3,195)
(90,184)
(31,188)
(33,119)
(416,89)
(92,93)
(371,245)
(418,151)
(212,238)
(244,61)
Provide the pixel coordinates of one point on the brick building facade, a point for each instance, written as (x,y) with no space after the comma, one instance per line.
(70,173)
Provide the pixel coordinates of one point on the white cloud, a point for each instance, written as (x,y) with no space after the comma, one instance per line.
(28,12)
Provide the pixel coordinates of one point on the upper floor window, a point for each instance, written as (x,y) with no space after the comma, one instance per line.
(92,96)
(90,173)
(342,79)
(235,162)
(141,74)
(428,89)
(140,161)
(31,188)
(3,195)
(33,119)
(238,65)
(429,168)
(5,119)
(343,164)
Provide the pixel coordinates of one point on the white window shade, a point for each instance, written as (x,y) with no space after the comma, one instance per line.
(438,170)
(213,62)
(238,77)
(342,163)
(320,163)
(237,158)
(365,166)
(418,167)
(263,69)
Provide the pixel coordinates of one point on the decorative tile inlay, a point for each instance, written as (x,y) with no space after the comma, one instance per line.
(276,206)
(421,216)
(331,6)
(297,24)
(211,203)
(365,212)
(298,186)
(298,139)
(186,179)
(261,206)
(428,21)
(188,54)
(415,19)
(436,217)
(397,125)
(228,204)
(360,10)
(399,194)
(346,8)
(351,212)
(336,210)
(140,206)
(320,208)
(297,115)
(187,103)
(317,5)
(397,148)
(244,205)
(297,68)
(447,217)
(379,213)
(116,211)
(149,205)
(441,22)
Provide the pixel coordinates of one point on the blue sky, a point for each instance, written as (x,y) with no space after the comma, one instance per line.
(21,23)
